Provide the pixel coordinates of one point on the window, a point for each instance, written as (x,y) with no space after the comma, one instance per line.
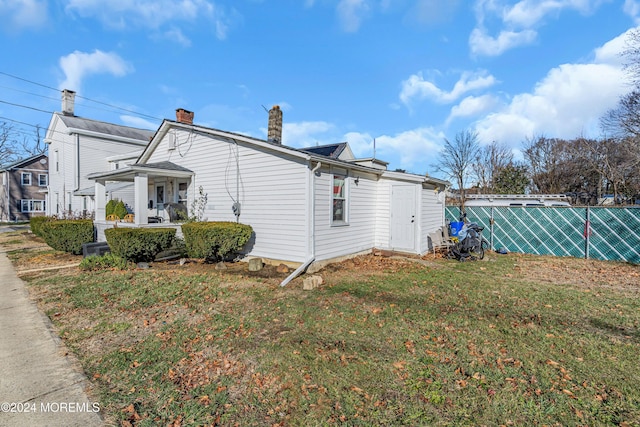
(43,180)
(56,160)
(32,205)
(26,178)
(339,199)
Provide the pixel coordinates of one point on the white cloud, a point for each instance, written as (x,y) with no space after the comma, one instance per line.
(306,134)
(77,65)
(176,35)
(351,13)
(415,148)
(153,14)
(567,103)
(473,106)
(610,52)
(23,14)
(527,13)
(417,88)
(138,122)
(519,21)
(482,43)
(632,8)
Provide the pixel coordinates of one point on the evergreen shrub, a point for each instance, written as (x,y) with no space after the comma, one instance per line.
(139,244)
(67,235)
(215,241)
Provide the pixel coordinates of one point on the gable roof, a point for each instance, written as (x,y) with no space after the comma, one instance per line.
(332,151)
(278,148)
(21,162)
(89,125)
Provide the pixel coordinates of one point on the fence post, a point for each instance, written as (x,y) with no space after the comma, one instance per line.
(491,229)
(587,233)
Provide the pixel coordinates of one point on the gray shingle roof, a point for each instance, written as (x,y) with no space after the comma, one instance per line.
(106,128)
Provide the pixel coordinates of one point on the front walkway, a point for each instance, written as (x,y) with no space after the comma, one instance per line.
(39,384)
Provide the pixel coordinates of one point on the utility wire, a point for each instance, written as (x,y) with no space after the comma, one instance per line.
(81,97)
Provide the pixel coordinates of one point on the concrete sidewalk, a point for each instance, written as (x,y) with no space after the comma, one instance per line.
(39,385)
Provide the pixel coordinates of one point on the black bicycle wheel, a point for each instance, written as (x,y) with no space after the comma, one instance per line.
(477,252)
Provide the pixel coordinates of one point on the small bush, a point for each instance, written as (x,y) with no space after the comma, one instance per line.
(215,241)
(120,209)
(36,224)
(105,261)
(67,235)
(110,208)
(139,244)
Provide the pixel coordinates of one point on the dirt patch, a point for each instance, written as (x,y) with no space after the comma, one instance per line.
(584,273)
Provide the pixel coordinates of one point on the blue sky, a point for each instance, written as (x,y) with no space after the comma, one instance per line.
(406,72)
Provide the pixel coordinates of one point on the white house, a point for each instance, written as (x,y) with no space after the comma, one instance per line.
(304,205)
(79,146)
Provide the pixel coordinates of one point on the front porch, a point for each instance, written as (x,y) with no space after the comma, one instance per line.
(157,186)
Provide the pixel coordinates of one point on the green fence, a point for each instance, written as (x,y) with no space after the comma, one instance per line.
(594,232)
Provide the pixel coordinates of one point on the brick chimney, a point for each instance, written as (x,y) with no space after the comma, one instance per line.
(68,99)
(274,132)
(184,116)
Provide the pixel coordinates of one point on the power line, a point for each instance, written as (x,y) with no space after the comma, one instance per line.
(78,96)
(26,106)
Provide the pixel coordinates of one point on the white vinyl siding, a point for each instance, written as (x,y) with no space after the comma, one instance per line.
(64,178)
(383,215)
(359,234)
(431,218)
(272,190)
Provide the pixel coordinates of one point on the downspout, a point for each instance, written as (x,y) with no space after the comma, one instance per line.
(312,221)
(77,162)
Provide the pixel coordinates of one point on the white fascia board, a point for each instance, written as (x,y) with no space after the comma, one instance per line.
(125,156)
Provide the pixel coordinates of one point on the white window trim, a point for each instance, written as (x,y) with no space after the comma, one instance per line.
(23,176)
(46,179)
(31,204)
(344,174)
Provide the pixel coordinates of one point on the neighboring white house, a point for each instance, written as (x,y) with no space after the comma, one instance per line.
(79,146)
(309,204)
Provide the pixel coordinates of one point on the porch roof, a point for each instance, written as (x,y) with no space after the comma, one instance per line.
(167,169)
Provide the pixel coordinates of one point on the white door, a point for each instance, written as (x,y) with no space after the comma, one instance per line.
(403,217)
(160,198)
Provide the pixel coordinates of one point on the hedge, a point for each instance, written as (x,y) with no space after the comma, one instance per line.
(35,222)
(139,244)
(67,235)
(215,241)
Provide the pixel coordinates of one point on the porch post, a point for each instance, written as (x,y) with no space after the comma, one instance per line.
(141,192)
(101,200)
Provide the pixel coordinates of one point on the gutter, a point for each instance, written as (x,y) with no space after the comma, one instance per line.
(312,221)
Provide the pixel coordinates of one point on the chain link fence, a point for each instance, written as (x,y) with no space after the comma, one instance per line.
(588,232)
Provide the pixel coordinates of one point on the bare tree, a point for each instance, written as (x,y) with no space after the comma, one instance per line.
(13,147)
(489,160)
(624,120)
(35,145)
(8,151)
(632,55)
(457,157)
(544,158)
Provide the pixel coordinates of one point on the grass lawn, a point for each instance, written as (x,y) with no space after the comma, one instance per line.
(512,340)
